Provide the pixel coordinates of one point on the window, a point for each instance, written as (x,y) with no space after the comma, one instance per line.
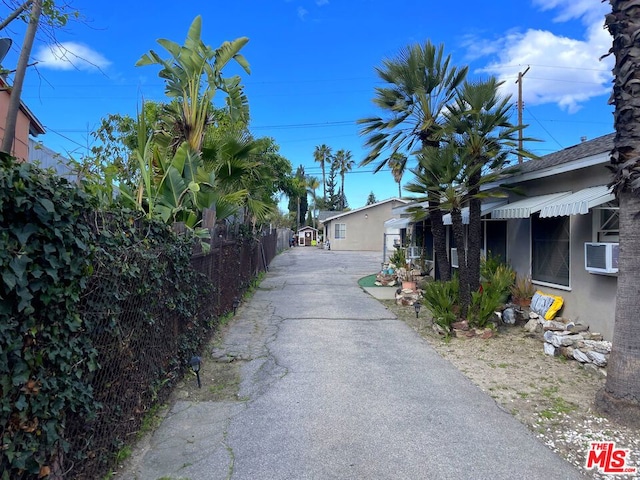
(341,230)
(606,224)
(550,250)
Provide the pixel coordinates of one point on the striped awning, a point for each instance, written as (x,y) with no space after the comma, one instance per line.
(485,209)
(527,206)
(397,223)
(578,203)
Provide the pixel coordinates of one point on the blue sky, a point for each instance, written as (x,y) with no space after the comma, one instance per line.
(313,63)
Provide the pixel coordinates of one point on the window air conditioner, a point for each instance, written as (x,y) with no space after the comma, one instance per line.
(454,257)
(601,257)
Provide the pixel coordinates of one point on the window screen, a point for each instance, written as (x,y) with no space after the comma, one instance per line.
(341,230)
(550,250)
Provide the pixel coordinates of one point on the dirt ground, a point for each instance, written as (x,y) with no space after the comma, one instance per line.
(552,396)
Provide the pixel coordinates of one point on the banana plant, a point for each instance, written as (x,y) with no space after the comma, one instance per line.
(183,72)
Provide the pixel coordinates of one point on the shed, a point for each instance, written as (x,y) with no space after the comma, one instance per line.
(307,237)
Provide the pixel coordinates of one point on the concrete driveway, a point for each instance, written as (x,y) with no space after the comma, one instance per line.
(335,387)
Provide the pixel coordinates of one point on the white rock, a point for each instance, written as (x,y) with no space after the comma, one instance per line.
(531,326)
(580,356)
(598,358)
(533,315)
(549,349)
(509,316)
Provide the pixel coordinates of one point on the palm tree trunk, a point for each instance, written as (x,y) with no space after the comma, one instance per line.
(620,397)
(474,244)
(439,240)
(21,70)
(324,184)
(463,271)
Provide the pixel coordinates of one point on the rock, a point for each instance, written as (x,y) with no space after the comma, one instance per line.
(462,325)
(488,333)
(549,349)
(533,315)
(577,327)
(470,333)
(566,352)
(597,358)
(599,346)
(439,330)
(532,326)
(509,316)
(560,340)
(553,325)
(580,356)
(548,335)
(595,336)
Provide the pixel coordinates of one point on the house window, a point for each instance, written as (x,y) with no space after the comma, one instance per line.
(341,230)
(606,224)
(550,250)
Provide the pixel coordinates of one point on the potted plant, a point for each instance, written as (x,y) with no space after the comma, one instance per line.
(522,290)
(407,277)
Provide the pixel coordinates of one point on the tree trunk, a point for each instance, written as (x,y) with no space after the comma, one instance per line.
(620,397)
(439,240)
(21,70)
(463,271)
(474,244)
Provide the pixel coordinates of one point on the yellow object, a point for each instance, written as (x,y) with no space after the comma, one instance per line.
(546,305)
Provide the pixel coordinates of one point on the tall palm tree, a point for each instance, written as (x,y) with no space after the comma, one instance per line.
(620,396)
(398,163)
(312,185)
(344,163)
(419,83)
(322,155)
(479,120)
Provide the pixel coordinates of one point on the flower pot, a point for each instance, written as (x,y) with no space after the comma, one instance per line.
(409,285)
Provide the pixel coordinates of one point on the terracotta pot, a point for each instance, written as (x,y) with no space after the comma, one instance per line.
(409,285)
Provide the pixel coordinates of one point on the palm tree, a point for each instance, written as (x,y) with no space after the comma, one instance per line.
(419,84)
(620,396)
(397,163)
(322,155)
(312,185)
(479,120)
(343,164)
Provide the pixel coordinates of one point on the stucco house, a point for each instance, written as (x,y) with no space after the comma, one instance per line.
(26,124)
(563,230)
(359,229)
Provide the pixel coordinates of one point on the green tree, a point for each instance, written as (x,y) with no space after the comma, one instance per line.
(371,199)
(322,155)
(620,397)
(397,162)
(298,204)
(183,72)
(418,84)
(312,185)
(344,163)
(480,125)
(333,199)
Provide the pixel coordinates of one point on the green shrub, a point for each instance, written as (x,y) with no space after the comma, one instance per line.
(494,293)
(45,356)
(441,298)
(398,258)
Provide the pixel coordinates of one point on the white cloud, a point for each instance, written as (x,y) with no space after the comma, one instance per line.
(70,56)
(302,13)
(566,71)
(322,3)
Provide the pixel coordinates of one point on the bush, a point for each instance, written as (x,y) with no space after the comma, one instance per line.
(494,293)
(45,355)
(441,298)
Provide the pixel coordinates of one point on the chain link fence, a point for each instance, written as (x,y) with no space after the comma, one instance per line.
(145,339)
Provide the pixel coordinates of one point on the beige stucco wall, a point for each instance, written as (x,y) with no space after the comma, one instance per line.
(590,298)
(365,228)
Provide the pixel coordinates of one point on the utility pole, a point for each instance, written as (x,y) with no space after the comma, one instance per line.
(520,106)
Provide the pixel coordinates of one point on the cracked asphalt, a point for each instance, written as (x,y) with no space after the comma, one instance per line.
(333,386)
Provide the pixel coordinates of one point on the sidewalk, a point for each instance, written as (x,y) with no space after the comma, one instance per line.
(335,387)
